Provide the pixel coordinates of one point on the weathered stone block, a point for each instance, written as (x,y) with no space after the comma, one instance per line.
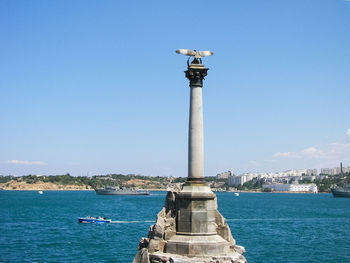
(167,258)
(211,205)
(142,256)
(168,234)
(156,231)
(183,204)
(196,222)
(199,205)
(183,227)
(240,249)
(203,216)
(159,258)
(170,202)
(223,229)
(156,245)
(169,222)
(197,245)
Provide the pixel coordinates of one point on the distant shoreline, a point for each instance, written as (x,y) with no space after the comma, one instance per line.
(165,190)
(47,190)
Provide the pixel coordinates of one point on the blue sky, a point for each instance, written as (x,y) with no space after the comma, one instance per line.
(95,87)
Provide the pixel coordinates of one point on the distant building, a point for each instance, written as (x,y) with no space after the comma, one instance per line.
(308,177)
(312,172)
(346,169)
(235,180)
(292,187)
(239,179)
(330,171)
(224,175)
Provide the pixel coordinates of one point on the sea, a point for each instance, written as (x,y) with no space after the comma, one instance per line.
(273,227)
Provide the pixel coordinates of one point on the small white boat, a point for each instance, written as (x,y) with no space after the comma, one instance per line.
(236,194)
(91,220)
(40,192)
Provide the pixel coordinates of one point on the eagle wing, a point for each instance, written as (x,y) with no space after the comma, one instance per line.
(205,53)
(187,52)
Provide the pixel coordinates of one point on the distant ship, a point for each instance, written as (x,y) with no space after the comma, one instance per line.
(110,190)
(341,192)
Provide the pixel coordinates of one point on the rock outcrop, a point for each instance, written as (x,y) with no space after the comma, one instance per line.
(153,248)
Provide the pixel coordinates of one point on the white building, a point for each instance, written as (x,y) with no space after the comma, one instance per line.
(330,171)
(311,172)
(334,171)
(236,180)
(346,169)
(292,187)
(239,179)
(224,175)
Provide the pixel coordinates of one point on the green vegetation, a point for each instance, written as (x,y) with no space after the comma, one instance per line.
(305,181)
(5,179)
(179,180)
(96,181)
(254,184)
(325,184)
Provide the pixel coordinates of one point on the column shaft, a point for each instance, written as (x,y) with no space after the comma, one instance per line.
(195,138)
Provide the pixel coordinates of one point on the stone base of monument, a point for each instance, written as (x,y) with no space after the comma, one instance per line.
(197,245)
(190,229)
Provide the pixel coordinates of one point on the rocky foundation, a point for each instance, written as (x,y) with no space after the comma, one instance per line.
(165,245)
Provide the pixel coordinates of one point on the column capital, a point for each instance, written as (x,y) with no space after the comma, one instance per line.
(196,73)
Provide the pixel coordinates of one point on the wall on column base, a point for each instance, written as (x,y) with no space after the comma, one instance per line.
(160,257)
(197,245)
(163,244)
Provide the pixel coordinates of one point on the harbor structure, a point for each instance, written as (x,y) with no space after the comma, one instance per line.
(312,188)
(190,228)
(287,176)
(111,190)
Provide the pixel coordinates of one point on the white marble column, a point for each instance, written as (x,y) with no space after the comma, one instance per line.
(196,73)
(195,136)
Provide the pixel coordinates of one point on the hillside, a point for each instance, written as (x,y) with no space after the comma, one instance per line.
(68,182)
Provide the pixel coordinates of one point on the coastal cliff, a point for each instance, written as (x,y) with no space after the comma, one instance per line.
(68,182)
(15,185)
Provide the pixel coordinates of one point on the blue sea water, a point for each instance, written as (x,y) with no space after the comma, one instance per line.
(272,227)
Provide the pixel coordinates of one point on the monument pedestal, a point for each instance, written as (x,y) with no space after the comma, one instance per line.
(194,246)
(190,229)
(195,223)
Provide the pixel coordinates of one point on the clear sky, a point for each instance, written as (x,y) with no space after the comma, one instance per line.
(95,87)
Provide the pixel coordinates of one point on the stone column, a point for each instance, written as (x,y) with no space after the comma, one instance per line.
(196,74)
(190,229)
(196,205)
